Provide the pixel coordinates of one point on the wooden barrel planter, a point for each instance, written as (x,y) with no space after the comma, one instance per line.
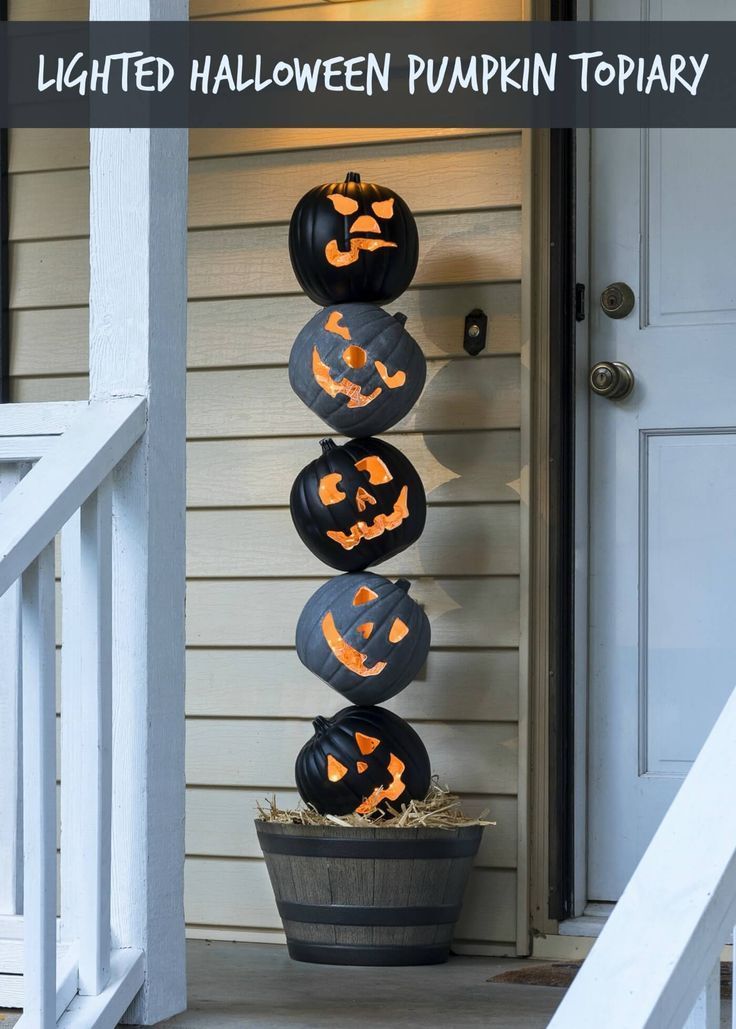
(351,896)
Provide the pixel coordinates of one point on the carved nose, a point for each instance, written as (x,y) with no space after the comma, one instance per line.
(365,224)
(363,498)
(354,356)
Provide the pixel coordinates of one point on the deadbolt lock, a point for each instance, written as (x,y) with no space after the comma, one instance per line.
(611,379)
(617,300)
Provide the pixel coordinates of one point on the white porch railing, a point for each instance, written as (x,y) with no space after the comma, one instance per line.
(71,976)
(656,964)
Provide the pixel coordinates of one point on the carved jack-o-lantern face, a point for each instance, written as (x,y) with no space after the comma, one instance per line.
(364,635)
(357,367)
(364,233)
(362,760)
(358,504)
(353,241)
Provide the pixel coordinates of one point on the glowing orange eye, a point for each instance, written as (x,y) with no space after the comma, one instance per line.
(398,630)
(384,208)
(329,490)
(376,470)
(366,744)
(335,770)
(364,595)
(343,204)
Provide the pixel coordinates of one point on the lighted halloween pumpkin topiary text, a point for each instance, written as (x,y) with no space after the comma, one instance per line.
(354,245)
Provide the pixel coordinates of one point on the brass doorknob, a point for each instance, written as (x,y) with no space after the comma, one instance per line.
(612,379)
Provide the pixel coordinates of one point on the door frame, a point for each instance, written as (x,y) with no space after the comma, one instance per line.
(558,469)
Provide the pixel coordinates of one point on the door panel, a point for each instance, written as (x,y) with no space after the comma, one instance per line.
(662,590)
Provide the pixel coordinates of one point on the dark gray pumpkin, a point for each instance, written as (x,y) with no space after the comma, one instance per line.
(358,368)
(364,636)
(362,759)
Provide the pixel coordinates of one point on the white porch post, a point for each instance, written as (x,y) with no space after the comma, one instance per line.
(138,347)
(11,833)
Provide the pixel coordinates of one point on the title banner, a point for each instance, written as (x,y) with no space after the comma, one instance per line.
(367,74)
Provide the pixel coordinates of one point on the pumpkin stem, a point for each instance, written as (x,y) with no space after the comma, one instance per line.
(403,584)
(327,445)
(321,724)
(400,318)
(352,177)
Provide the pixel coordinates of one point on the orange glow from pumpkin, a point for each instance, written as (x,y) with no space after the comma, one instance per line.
(398,631)
(392,381)
(363,596)
(342,258)
(363,498)
(366,630)
(377,471)
(384,208)
(393,791)
(342,204)
(361,766)
(381,523)
(333,325)
(365,224)
(345,388)
(335,770)
(354,356)
(366,744)
(329,490)
(348,656)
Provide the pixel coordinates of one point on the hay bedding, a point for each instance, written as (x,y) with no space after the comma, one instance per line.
(440,809)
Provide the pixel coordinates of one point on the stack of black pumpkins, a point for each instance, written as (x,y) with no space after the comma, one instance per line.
(354,246)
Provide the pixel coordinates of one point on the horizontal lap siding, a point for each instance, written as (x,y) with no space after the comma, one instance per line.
(249,701)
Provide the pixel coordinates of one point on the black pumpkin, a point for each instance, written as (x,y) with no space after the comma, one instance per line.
(362,760)
(358,504)
(353,241)
(364,636)
(358,368)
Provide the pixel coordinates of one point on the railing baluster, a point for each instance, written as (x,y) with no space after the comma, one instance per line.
(39,790)
(87,737)
(95,736)
(707,1011)
(11,837)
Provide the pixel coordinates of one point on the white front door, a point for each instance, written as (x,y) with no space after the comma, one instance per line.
(662,592)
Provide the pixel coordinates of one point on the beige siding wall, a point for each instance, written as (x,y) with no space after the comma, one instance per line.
(249,701)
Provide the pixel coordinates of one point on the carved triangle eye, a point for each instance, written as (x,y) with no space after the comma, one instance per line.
(375,469)
(329,489)
(366,744)
(335,770)
(343,204)
(397,631)
(384,208)
(364,595)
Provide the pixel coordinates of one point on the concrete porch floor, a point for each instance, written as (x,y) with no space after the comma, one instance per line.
(252,985)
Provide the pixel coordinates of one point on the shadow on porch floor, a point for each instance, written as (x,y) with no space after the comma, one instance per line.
(250,985)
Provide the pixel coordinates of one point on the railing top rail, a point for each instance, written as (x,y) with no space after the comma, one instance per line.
(97,439)
(665,934)
(49,419)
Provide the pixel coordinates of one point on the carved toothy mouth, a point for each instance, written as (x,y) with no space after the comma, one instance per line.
(348,388)
(393,791)
(381,523)
(345,653)
(341,258)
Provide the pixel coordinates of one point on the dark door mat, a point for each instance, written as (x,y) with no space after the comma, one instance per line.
(562,973)
(551,973)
